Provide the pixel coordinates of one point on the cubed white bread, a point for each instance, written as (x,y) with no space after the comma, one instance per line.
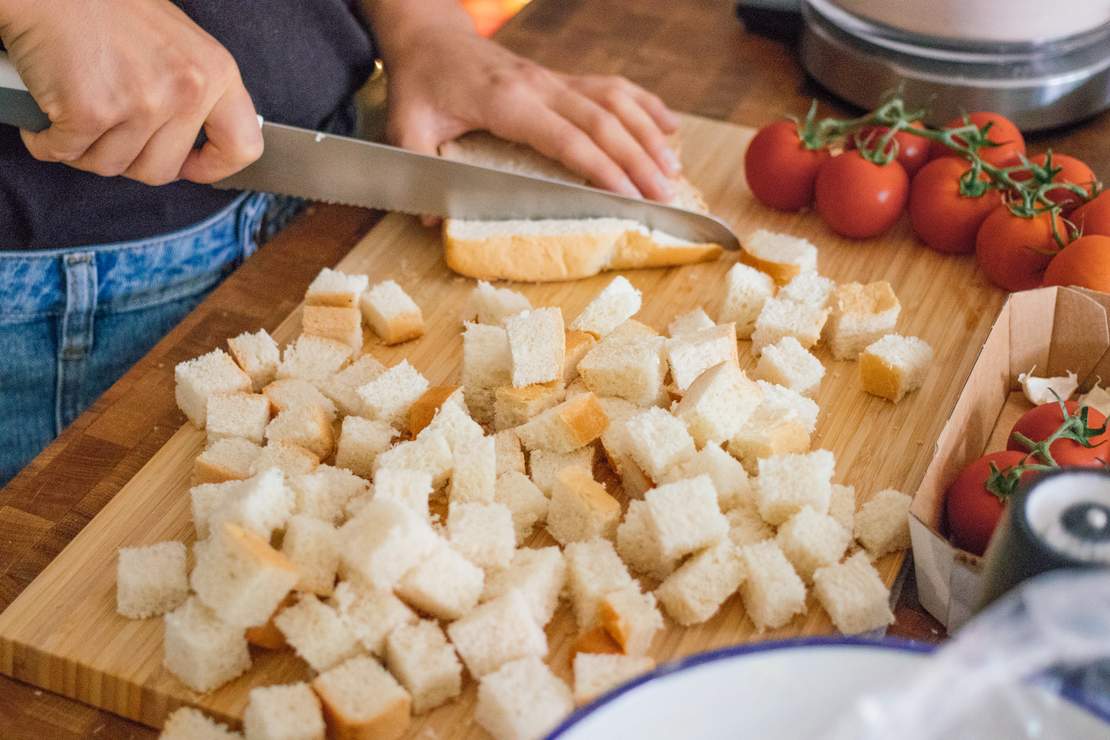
(782,402)
(392,313)
(746,526)
(854,595)
(616,303)
(638,544)
(629,363)
(257,354)
(772,592)
(539,575)
(617,445)
(197,380)
(313,546)
(205,499)
(151,580)
(261,504)
(596,673)
(317,633)
(390,395)
(766,434)
(454,422)
(429,453)
(267,636)
(489,305)
(578,343)
(631,618)
(537,346)
(487,364)
(313,358)
(361,440)
(425,408)
(475,472)
(728,476)
(384,541)
(545,466)
(286,457)
(325,492)
(789,364)
(658,441)
(593,570)
(371,615)
(580,508)
(515,406)
(861,314)
(202,651)
(334,288)
(811,541)
(420,657)
(289,712)
(225,460)
(809,288)
(444,584)
(304,426)
(331,322)
(510,454)
(691,354)
(522,700)
(342,388)
(781,256)
(782,318)
(482,533)
(497,632)
(684,516)
(842,506)
(187,723)
(524,500)
(894,366)
(689,322)
(410,488)
(882,524)
(746,291)
(694,592)
(788,483)
(717,404)
(566,427)
(293,393)
(361,700)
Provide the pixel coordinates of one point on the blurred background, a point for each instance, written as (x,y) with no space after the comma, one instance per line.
(490,15)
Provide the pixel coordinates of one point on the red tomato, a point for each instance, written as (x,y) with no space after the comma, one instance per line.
(1002,132)
(1071,170)
(858,198)
(972,511)
(1085,262)
(913,151)
(943,218)
(1040,423)
(1014,251)
(1093,217)
(779,167)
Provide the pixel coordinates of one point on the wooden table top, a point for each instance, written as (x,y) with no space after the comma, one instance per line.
(694,55)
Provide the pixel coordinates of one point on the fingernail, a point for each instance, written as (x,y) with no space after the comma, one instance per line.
(671,162)
(627,188)
(665,186)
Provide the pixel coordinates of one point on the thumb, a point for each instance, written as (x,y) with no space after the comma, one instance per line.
(417,134)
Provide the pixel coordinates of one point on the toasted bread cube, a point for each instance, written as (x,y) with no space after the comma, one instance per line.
(261,504)
(410,488)
(616,303)
(728,476)
(362,700)
(694,592)
(765,435)
(187,723)
(515,406)
(658,441)
(360,442)
(509,454)
(384,541)
(782,318)
(334,288)
(294,393)
(483,533)
(151,580)
(581,509)
(454,422)
(593,571)
(842,506)
(325,492)
(782,402)
(537,574)
(317,633)
(341,324)
(746,291)
(371,615)
(290,712)
(313,358)
(809,288)
(882,523)
(312,546)
(628,363)
(578,343)
(197,380)
(225,460)
(854,595)
(391,313)
(390,395)
(894,366)
(772,592)
(425,408)
(693,353)
(429,452)
(342,388)
(475,472)
(566,427)
(789,364)
(638,544)
(788,483)
(537,346)
(258,355)
(487,364)
(522,700)
(489,305)
(861,315)
(811,541)
(617,445)
(684,516)
(202,651)
(595,675)
(781,256)
(631,618)
(545,466)
(717,404)
(425,664)
(746,526)
(689,322)
(306,426)
(497,632)
(445,584)
(286,457)
(524,500)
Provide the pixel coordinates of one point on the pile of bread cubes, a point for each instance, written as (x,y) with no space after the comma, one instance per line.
(379,527)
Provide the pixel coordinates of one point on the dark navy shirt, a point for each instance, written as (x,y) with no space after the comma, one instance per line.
(301,61)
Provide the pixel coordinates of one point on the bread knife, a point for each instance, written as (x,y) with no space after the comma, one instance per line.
(339,169)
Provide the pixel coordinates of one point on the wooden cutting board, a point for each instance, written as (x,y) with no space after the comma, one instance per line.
(64,635)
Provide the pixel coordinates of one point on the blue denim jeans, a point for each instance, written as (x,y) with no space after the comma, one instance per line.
(72,321)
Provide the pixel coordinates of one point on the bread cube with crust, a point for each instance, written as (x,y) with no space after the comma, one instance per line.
(425,664)
(694,592)
(766,435)
(362,700)
(202,651)
(782,402)
(894,366)
(782,318)
(628,363)
(545,466)
(788,363)
(290,712)
(261,504)
(781,256)
(389,396)
(772,592)
(631,618)
(489,305)
(304,426)
(717,404)
(483,533)
(658,441)
(257,354)
(746,291)
(581,509)
(596,674)
(475,472)
(425,408)
(684,516)
(728,476)
(524,500)
(578,343)
(593,571)
(811,541)
(294,393)
(522,700)
(334,288)
(497,632)
(842,506)
(454,422)
(371,615)
(809,288)
(187,723)
(317,633)
(151,580)
(487,364)
(331,322)
(410,488)
(384,541)
(360,442)
(325,492)
(689,322)
(197,380)
(882,523)
(639,546)
(285,457)
(537,574)
(392,313)
(537,346)
(854,595)
(313,358)
(515,406)
(225,460)
(566,427)
(691,354)
(342,388)
(788,483)
(444,584)
(861,314)
(429,453)
(508,451)
(313,546)
(616,303)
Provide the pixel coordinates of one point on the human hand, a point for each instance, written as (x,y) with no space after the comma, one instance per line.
(127,86)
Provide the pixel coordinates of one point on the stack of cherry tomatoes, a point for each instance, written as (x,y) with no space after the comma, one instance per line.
(860,177)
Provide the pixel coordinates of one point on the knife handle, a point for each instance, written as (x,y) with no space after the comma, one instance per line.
(17,107)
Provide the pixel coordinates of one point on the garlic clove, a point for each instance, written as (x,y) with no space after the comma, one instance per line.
(1097,398)
(1048,390)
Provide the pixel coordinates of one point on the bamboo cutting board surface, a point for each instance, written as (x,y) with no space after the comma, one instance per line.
(63,634)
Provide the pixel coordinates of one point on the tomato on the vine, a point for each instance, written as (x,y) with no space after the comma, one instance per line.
(858,198)
(1093,217)
(1014,250)
(1084,262)
(1002,132)
(941,215)
(913,151)
(1071,170)
(1040,423)
(780,168)
(972,510)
